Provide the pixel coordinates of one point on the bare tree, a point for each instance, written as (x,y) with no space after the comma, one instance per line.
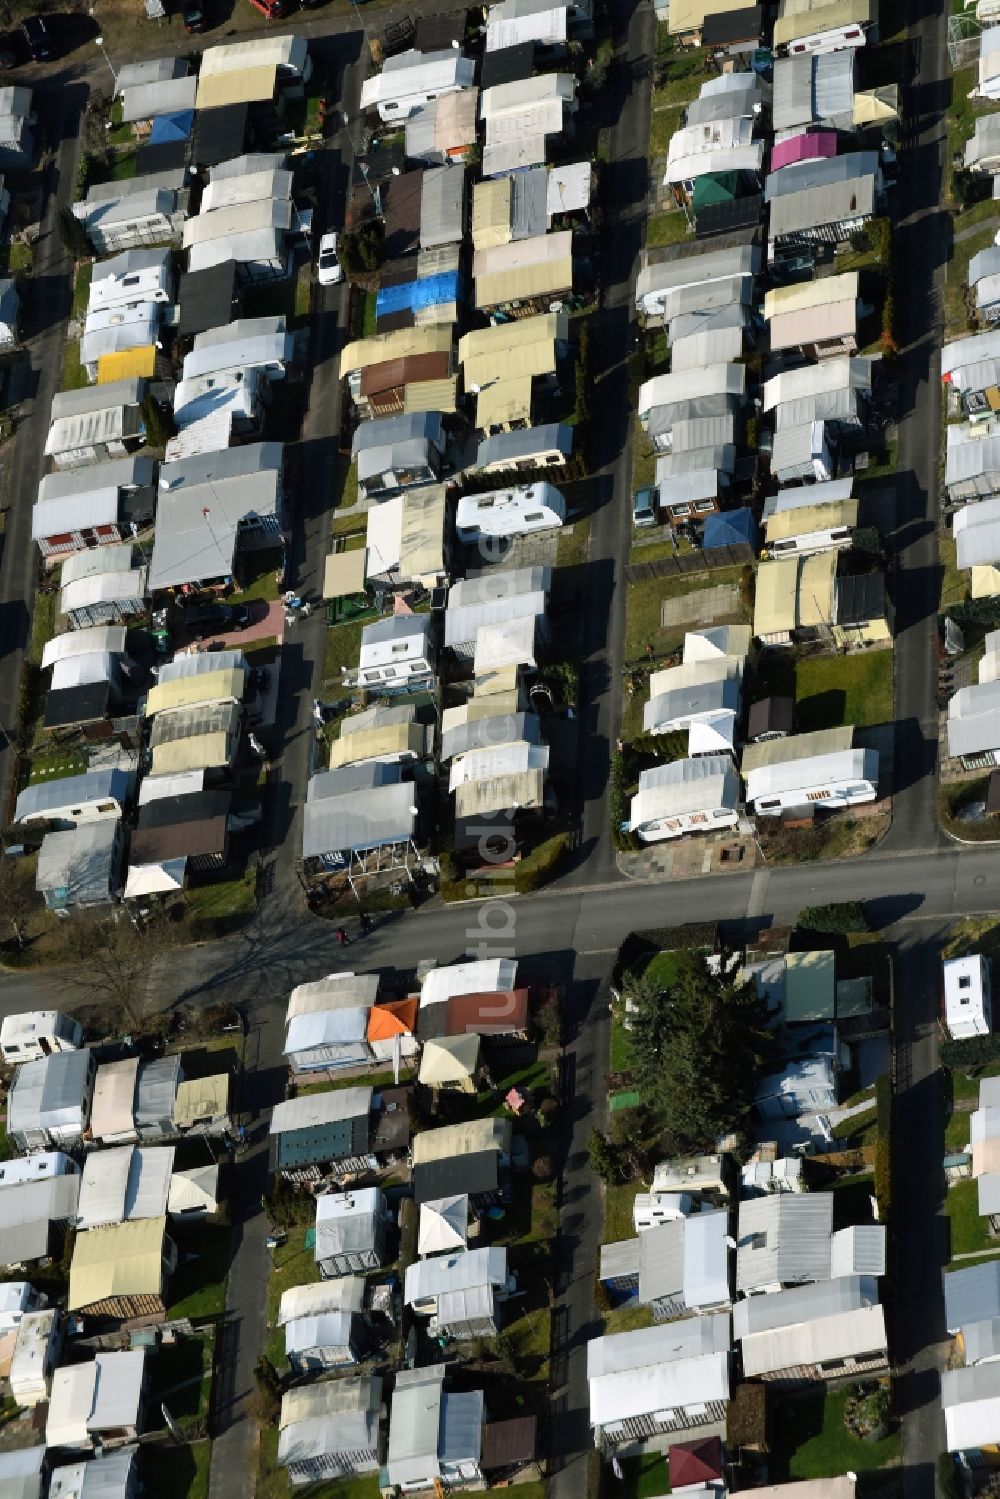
(18,898)
(114,959)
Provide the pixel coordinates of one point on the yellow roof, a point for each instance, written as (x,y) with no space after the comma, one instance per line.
(490,684)
(197,752)
(816,577)
(822,291)
(127,364)
(503,402)
(401,343)
(689,15)
(811,518)
(240,86)
(774,603)
(201,1098)
(431,395)
(535,267)
(796,747)
(491,212)
(452,1059)
(808,20)
(374,744)
(122,1260)
(984,581)
(210,687)
(344,573)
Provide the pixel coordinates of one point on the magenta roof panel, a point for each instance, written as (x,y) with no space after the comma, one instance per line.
(806,147)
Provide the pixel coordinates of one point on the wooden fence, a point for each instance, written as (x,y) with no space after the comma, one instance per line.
(690,562)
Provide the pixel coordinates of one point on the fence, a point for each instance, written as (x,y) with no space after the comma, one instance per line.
(690,562)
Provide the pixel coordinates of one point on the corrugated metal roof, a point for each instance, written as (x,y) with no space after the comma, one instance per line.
(454,1140)
(813,1341)
(346,1294)
(859,1250)
(783,1240)
(313,1110)
(125,1260)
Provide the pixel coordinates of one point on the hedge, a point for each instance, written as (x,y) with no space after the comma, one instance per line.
(840,917)
(538,867)
(966,1056)
(883,1147)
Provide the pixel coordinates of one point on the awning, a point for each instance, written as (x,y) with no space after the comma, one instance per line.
(155,879)
(344,574)
(127,364)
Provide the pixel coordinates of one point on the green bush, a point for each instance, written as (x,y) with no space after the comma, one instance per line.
(968,1056)
(538,867)
(618,809)
(883,1106)
(840,917)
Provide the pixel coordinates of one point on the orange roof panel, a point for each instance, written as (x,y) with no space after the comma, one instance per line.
(397,1018)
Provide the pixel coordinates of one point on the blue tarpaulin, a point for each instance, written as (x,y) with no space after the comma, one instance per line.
(730,528)
(428,291)
(171,127)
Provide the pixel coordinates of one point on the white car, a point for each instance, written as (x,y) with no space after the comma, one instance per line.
(328,267)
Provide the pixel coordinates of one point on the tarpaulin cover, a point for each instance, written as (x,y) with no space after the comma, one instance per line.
(427,291)
(172,127)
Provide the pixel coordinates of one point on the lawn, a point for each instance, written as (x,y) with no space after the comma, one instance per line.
(215,908)
(621,1054)
(171,1472)
(530,1337)
(342,648)
(74,376)
(833,690)
(642,1477)
(954,582)
(974,934)
(81,289)
(261,582)
(642,619)
(662,969)
(957,297)
(969,1232)
(53,765)
(668,227)
(181,1377)
(345,483)
(573,546)
(809,1440)
(292,1264)
(198,1286)
(618,1202)
(43,624)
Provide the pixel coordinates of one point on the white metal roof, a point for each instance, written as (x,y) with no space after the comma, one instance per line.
(482,976)
(345,1294)
(312,1110)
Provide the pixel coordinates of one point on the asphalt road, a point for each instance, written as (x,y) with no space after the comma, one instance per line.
(234,1451)
(35,380)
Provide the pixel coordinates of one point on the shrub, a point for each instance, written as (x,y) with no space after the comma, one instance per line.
(159,424)
(72,234)
(618,809)
(605,1161)
(602,1296)
(748,587)
(268,1388)
(969,1056)
(538,867)
(838,918)
(746,1417)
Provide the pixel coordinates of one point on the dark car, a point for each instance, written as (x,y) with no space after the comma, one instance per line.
(214,619)
(37,39)
(193,16)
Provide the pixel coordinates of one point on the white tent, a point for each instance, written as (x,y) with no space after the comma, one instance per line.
(155,879)
(194,1193)
(443,1225)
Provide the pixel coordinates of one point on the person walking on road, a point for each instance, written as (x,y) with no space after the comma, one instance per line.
(367,925)
(342,936)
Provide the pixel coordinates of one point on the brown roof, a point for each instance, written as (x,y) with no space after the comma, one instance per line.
(491,1014)
(401,211)
(509,1442)
(993,794)
(393,373)
(151,845)
(392,1121)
